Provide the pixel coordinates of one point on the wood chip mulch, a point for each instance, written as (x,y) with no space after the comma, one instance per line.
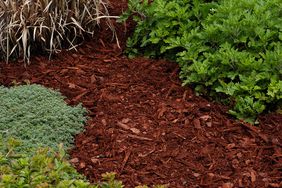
(149,129)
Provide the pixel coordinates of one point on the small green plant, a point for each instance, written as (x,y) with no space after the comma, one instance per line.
(38,117)
(228,49)
(45,168)
(110,181)
(27,26)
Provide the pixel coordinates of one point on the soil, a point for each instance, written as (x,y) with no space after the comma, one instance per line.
(146,127)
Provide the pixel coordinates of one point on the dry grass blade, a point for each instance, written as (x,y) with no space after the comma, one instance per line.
(24,41)
(27,26)
(2,5)
(76,23)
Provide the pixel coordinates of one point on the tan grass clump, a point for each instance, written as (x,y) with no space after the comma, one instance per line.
(47,25)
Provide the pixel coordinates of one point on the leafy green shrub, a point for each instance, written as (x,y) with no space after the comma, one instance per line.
(160,23)
(26,26)
(230,49)
(44,169)
(240,55)
(38,117)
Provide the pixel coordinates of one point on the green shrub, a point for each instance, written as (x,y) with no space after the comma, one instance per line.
(230,49)
(38,116)
(44,169)
(160,23)
(240,55)
(27,26)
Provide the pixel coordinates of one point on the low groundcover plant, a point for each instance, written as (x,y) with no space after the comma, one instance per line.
(38,116)
(45,169)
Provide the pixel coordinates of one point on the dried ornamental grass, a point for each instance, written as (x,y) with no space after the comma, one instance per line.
(47,25)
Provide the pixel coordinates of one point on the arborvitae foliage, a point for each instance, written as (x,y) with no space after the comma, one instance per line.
(229,49)
(38,116)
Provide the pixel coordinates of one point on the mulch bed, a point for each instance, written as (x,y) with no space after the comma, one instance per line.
(146,127)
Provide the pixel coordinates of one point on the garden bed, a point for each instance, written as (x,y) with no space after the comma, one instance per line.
(146,127)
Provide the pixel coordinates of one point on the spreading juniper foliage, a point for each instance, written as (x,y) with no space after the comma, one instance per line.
(228,49)
(28,26)
(38,116)
(45,168)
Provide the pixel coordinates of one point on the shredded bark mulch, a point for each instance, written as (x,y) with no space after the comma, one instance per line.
(146,127)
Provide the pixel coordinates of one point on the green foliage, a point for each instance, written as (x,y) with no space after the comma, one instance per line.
(45,169)
(110,181)
(27,26)
(230,49)
(160,25)
(38,117)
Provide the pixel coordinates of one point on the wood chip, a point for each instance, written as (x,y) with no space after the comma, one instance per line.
(197,123)
(196,175)
(161,111)
(135,131)
(227,185)
(209,124)
(80,96)
(205,117)
(82,165)
(93,79)
(123,125)
(104,122)
(74,160)
(125,120)
(255,130)
(126,157)
(71,85)
(253,176)
(94,160)
(139,137)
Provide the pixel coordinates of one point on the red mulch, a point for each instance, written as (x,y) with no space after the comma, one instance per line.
(146,127)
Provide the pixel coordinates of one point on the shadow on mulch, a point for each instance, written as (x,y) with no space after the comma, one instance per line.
(146,127)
